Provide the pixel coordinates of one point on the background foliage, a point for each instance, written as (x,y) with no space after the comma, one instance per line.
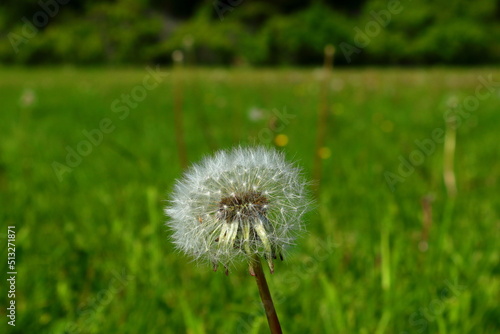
(251,32)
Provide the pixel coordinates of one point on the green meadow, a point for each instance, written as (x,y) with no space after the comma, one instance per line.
(85,173)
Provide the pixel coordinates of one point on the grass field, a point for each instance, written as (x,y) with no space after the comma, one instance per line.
(93,254)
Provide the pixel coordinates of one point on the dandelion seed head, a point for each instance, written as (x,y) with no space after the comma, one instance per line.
(236,204)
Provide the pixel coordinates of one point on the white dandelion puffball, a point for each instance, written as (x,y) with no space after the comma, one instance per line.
(238,204)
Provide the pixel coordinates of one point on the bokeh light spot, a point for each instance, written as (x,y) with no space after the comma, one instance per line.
(324,153)
(281,140)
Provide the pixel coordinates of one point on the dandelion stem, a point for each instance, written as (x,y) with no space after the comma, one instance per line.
(265,295)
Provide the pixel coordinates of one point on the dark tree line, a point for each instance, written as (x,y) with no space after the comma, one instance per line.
(250,32)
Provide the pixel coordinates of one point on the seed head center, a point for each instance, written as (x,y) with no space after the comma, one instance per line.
(244,205)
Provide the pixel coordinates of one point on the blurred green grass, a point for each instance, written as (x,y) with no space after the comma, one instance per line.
(94,256)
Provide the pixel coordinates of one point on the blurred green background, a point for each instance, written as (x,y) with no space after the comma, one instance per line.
(90,147)
(250,32)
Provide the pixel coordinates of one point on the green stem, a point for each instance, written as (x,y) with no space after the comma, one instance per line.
(265,295)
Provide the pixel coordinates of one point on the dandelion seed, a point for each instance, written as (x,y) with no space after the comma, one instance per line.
(252,202)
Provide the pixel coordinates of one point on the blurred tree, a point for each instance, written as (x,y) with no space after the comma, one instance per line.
(255,32)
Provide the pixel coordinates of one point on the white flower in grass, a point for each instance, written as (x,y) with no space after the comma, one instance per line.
(238,204)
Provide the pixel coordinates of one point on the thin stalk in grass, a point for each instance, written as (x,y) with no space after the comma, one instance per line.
(203,120)
(178,57)
(449,157)
(265,296)
(323,115)
(426,204)
(450,184)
